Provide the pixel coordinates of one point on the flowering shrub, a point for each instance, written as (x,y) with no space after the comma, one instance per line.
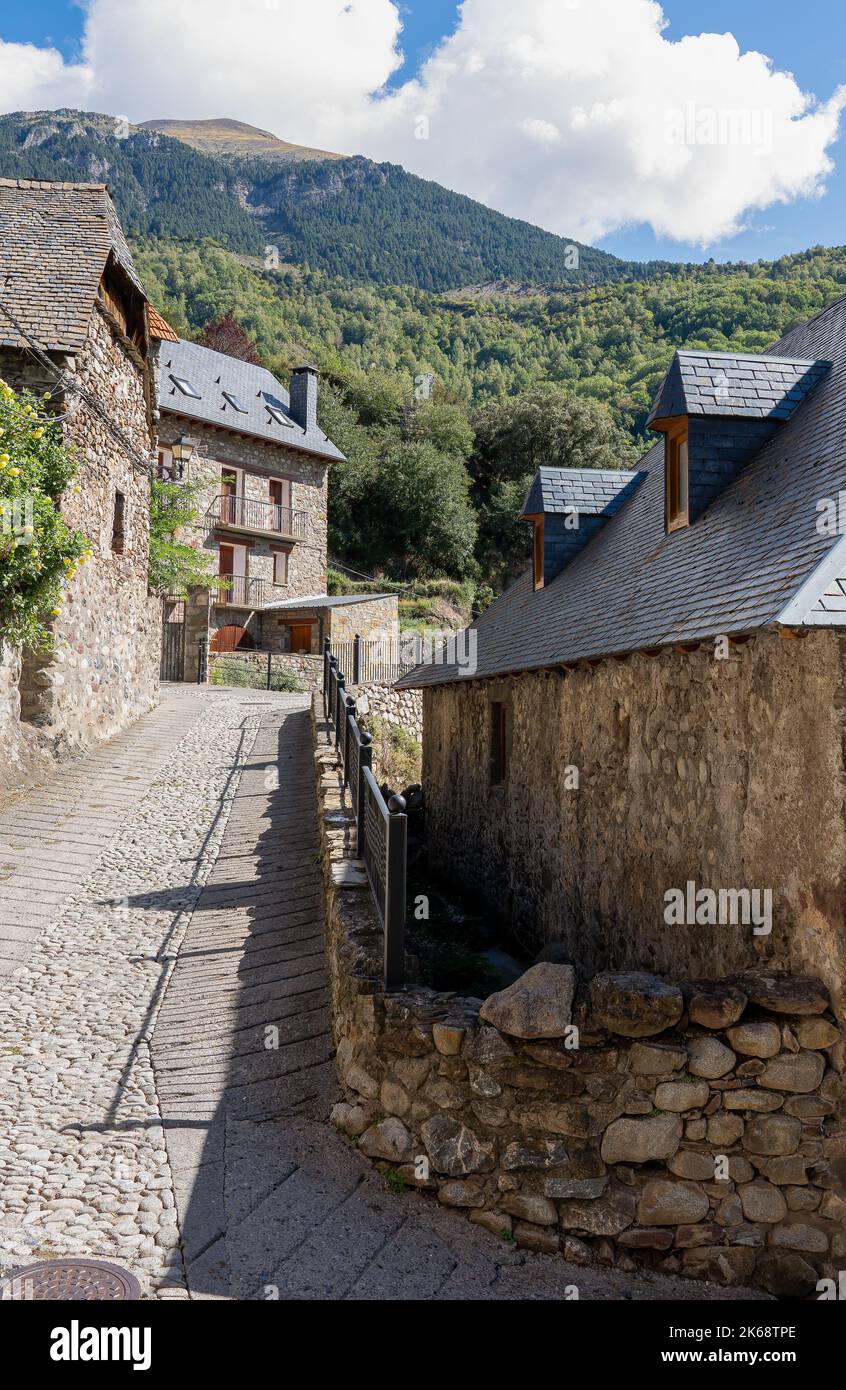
(38,550)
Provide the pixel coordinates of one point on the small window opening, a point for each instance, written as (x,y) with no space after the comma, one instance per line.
(118,523)
(499,742)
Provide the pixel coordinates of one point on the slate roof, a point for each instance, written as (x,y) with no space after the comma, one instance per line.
(55,241)
(591,491)
(750,387)
(213,373)
(323,601)
(754,559)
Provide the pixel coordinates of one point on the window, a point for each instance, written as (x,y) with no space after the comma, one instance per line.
(118,522)
(675,467)
(280,567)
(235,403)
(276,412)
(537,551)
(499,742)
(182,384)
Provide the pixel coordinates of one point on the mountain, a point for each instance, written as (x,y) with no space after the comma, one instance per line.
(347,216)
(161,187)
(233,138)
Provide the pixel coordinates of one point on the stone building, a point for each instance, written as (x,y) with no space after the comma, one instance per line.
(262,463)
(646,764)
(75,325)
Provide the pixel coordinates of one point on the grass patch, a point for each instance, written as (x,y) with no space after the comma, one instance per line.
(394,1181)
(231,670)
(397,756)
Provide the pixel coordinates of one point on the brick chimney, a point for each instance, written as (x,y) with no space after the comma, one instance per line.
(304,397)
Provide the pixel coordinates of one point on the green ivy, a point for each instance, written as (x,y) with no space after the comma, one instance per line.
(39,552)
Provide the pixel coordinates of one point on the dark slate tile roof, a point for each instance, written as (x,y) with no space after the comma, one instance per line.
(755,558)
(55,240)
(765,387)
(591,491)
(213,373)
(323,601)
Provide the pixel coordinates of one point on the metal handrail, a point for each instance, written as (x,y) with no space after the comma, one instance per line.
(247,591)
(255,514)
(385,839)
(381,827)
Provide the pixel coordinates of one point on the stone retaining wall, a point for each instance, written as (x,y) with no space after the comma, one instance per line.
(699,1130)
(403,708)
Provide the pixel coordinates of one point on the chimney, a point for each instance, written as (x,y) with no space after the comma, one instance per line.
(304,397)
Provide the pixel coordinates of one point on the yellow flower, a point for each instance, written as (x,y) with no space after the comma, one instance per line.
(14,472)
(36,434)
(56,612)
(4,459)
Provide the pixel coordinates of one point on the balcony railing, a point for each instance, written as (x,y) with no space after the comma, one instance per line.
(243,591)
(247,514)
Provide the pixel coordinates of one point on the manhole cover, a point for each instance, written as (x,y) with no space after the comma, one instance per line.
(70,1279)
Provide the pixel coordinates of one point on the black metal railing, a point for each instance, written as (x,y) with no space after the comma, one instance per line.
(374,659)
(381,826)
(252,514)
(244,591)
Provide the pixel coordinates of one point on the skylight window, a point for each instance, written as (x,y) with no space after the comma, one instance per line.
(183,384)
(235,402)
(276,414)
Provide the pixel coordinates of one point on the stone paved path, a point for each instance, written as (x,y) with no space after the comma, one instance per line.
(166,1065)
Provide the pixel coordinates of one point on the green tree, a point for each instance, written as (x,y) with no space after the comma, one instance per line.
(445,425)
(176,567)
(546,427)
(419,515)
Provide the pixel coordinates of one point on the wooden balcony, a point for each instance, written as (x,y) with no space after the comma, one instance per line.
(257,518)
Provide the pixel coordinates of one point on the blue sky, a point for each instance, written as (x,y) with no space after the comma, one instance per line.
(809,41)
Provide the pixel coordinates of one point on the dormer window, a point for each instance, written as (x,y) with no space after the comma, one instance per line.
(567,508)
(676,471)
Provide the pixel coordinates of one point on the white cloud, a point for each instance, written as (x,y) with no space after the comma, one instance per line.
(575,114)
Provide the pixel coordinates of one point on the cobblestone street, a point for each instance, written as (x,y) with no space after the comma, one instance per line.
(160,911)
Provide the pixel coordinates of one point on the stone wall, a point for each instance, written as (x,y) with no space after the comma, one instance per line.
(372,621)
(724,773)
(403,708)
(699,1131)
(20,752)
(103,671)
(261,462)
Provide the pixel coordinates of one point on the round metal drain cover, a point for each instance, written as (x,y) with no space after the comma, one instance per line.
(70,1279)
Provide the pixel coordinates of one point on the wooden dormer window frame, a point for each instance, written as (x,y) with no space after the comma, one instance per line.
(676,476)
(537,550)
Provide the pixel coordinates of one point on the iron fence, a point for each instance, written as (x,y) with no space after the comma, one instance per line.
(254,514)
(374,659)
(381,826)
(247,591)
